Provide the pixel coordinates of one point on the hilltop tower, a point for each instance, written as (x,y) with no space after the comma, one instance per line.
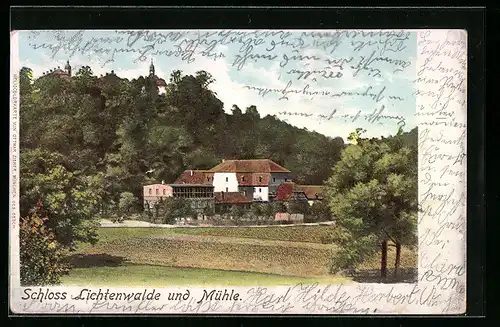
(68,68)
(151,68)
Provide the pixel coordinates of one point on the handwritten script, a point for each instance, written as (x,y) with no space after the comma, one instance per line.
(327,65)
(441,110)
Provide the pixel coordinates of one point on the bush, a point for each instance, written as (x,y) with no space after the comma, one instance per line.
(41,256)
(117,219)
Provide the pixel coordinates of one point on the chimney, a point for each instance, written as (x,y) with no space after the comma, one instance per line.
(191,172)
(162,182)
(223,160)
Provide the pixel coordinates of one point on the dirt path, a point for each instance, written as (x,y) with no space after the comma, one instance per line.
(142,224)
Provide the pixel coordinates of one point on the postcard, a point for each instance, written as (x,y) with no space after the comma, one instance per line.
(232,172)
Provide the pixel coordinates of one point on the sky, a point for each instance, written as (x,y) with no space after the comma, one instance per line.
(319,80)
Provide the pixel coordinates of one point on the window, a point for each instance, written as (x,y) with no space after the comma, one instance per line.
(260,190)
(227,179)
(260,179)
(274,180)
(208,179)
(157,191)
(242,178)
(286,180)
(245,193)
(226,189)
(164,192)
(150,191)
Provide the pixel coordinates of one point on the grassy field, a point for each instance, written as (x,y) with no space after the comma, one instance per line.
(160,276)
(240,255)
(312,234)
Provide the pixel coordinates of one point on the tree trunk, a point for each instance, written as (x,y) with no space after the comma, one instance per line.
(398,259)
(383,261)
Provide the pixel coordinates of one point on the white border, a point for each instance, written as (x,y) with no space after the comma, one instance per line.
(14,276)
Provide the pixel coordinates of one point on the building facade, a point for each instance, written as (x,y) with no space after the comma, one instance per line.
(292,192)
(234,183)
(201,197)
(224,201)
(190,185)
(256,179)
(154,193)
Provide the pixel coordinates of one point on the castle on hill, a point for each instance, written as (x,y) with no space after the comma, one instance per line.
(66,73)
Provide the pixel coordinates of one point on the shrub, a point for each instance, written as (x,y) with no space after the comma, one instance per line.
(117,219)
(41,256)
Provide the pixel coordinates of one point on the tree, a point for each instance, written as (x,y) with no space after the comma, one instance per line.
(236,110)
(70,198)
(354,136)
(320,211)
(252,113)
(171,208)
(204,78)
(25,81)
(41,256)
(257,210)
(127,202)
(298,207)
(236,212)
(373,196)
(208,212)
(267,209)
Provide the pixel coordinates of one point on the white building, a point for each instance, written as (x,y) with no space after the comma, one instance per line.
(257,179)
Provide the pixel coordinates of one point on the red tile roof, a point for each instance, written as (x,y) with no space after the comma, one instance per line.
(284,192)
(195,177)
(253,179)
(249,166)
(60,72)
(231,198)
(312,192)
(160,81)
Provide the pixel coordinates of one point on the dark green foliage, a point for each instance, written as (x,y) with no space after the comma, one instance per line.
(236,212)
(298,206)
(127,203)
(40,254)
(70,198)
(373,197)
(318,212)
(167,209)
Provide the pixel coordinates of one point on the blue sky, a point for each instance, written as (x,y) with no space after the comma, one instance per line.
(274,59)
